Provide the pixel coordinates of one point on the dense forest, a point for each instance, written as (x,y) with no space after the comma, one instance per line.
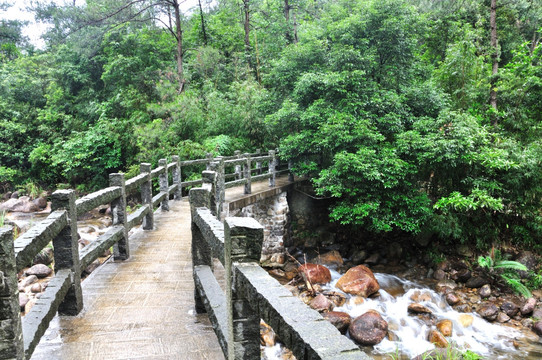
(416,115)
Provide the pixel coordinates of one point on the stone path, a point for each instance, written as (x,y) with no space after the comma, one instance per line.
(141,308)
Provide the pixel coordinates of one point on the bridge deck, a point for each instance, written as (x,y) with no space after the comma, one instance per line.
(141,308)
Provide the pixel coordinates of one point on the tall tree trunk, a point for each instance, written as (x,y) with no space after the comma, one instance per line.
(287,8)
(296,39)
(202,24)
(246,24)
(494,56)
(179,35)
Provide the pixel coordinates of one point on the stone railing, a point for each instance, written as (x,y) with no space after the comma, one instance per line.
(19,337)
(251,293)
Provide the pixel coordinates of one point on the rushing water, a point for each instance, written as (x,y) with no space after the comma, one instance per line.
(492,341)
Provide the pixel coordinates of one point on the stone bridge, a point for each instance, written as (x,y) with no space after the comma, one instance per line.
(143,302)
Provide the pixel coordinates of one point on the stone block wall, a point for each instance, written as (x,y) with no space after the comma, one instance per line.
(273,214)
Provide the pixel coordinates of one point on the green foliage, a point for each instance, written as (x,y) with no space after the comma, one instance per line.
(507,270)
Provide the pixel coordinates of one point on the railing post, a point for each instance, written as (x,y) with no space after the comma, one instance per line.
(164,187)
(66,250)
(220,186)
(119,216)
(201,252)
(238,173)
(248,175)
(259,162)
(210,159)
(243,238)
(11,339)
(209,177)
(146,196)
(290,173)
(272,168)
(176,177)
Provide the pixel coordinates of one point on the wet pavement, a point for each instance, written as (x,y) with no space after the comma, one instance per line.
(142,308)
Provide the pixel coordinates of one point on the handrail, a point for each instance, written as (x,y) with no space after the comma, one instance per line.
(64,293)
(251,293)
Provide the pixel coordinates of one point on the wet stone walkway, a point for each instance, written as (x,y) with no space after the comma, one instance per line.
(141,308)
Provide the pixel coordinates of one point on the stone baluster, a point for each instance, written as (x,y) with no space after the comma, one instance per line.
(121,249)
(238,173)
(66,250)
(176,177)
(243,238)
(210,159)
(220,186)
(146,196)
(209,179)
(272,168)
(258,162)
(201,251)
(247,174)
(164,186)
(11,340)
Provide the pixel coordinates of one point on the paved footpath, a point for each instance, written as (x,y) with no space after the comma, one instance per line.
(142,308)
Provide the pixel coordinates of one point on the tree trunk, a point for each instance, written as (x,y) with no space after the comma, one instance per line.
(179,35)
(296,39)
(246,23)
(288,35)
(494,56)
(202,24)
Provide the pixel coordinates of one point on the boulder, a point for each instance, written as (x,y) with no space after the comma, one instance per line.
(339,319)
(502,317)
(528,306)
(40,202)
(22,204)
(509,308)
(29,280)
(358,280)
(488,311)
(337,298)
(528,259)
(416,308)
(485,291)
(368,329)
(537,328)
(452,298)
(45,256)
(438,339)
(465,320)
(476,282)
(464,275)
(36,288)
(40,271)
(23,300)
(332,259)
(439,274)
(321,303)
(316,274)
(445,327)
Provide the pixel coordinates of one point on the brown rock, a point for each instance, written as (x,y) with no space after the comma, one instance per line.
(439,275)
(339,319)
(36,288)
(502,317)
(463,308)
(436,338)
(331,258)
(23,300)
(476,282)
(465,320)
(337,298)
(509,308)
(488,311)
(267,335)
(528,306)
(485,291)
(316,274)
(39,270)
(445,327)
(359,280)
(321,303)
(357,300)
(464,275)
(452,298)
(537,328)
(22,204)
(29,280)
(40,202)
(368,329)
(416,308)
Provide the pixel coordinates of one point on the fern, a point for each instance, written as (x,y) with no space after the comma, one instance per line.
(510,265)
(514,282)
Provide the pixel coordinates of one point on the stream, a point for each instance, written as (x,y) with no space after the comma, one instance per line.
(408,333)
